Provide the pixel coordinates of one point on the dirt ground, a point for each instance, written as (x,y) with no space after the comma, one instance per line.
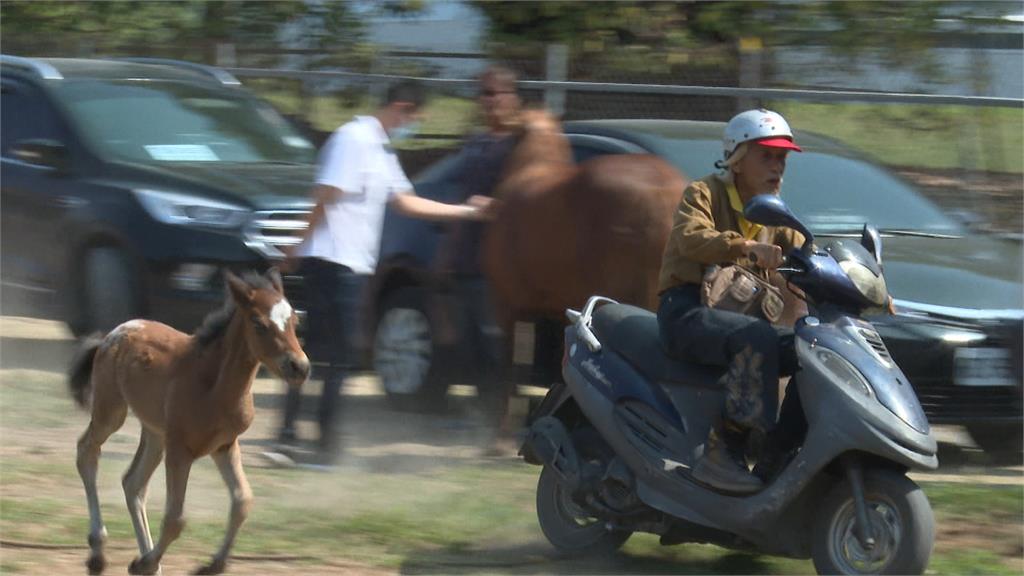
(70,561)
(413,442)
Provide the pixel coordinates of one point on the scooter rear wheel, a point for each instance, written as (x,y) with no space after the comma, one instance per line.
(570,528)
(901,521)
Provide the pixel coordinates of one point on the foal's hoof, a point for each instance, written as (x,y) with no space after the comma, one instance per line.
(96,563)
(144,565)
(214,567)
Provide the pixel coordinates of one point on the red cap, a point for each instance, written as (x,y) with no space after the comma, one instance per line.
(779,142)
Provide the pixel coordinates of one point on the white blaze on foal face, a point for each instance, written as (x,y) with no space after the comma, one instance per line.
(280,314)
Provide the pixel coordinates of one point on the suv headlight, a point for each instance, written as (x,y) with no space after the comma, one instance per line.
(186,210)
(870,286)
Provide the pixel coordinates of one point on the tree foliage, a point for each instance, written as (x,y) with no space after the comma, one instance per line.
(109,26)
(899,31)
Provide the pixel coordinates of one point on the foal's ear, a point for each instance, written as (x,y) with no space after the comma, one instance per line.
(240,290)
(275,278)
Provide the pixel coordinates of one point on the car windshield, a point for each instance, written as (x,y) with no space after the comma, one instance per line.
(829,192)
(154,121)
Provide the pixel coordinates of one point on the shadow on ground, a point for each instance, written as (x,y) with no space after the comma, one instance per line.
(540,558)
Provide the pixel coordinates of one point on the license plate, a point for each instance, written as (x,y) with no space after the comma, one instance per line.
(983,367)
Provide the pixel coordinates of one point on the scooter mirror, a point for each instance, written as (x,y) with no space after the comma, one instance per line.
(871,240)
(770,210)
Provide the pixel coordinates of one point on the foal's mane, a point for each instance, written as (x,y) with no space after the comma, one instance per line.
(216,322)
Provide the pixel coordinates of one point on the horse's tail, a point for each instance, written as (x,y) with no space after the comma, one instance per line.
(80,373)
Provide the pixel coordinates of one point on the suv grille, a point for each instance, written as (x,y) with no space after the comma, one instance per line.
(270,231)
(951,404)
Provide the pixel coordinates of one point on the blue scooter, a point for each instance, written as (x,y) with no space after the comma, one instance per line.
(618,438)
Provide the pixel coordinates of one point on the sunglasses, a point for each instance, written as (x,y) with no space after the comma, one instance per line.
(491,93)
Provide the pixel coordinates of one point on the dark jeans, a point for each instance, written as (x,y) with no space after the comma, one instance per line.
(485,342)
(755,352)
(333,296)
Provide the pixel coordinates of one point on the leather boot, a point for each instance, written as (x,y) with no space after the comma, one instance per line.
(722,465)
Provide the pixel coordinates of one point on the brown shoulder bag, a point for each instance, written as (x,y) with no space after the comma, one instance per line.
(737,289)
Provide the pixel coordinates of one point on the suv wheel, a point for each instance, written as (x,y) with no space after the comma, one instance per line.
(1003,443)
(404,354)
(109,289)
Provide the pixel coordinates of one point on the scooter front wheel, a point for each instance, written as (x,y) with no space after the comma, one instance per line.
(902,526)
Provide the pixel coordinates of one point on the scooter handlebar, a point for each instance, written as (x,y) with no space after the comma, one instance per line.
(583,321)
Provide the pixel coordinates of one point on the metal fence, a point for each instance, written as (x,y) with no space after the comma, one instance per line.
(964,151)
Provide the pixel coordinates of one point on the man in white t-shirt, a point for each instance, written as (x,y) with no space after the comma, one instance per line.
(358,177)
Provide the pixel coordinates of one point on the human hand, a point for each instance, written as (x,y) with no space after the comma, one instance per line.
(767,256)
(483,207)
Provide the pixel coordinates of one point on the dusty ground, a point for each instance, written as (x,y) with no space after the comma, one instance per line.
(413,442)
(42,345)
(70,561)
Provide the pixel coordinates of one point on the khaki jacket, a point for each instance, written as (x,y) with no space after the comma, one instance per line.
(706,231)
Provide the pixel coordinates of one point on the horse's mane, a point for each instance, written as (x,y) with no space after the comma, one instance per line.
(216,322)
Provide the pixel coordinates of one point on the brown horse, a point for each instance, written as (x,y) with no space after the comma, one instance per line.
(564,232)
(193,396)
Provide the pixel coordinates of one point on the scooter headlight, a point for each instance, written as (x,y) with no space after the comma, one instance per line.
(870,286)
(838,368)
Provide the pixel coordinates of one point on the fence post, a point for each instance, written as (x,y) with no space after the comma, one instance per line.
(750,49)
(85,48)
(224,55)
(556,69)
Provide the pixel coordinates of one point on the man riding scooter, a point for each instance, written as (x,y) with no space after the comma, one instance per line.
(709,230)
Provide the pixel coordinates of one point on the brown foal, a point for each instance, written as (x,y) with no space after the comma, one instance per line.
(193,396)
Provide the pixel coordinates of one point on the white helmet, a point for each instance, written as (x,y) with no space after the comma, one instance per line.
(770,128)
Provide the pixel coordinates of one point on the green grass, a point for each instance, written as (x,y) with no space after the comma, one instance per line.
(475,517)
(991,503)
(420,522)
(914,135)
(970,562)
(39,404)
(920,135)
(443,115)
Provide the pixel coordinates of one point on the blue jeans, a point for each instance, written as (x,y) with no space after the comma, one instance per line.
(486,345)
(333,294)
(755,352)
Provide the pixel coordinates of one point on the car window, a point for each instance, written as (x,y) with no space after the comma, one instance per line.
(179,122)
(584,152)
(441,171)
(837,194)
(24,115)
(440,181)
(829,192)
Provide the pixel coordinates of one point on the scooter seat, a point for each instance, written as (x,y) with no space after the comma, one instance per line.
(633,333)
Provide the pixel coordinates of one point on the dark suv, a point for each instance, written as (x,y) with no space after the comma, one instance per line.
(127,184)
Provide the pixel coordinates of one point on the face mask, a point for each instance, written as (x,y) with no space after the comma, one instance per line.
(403,132)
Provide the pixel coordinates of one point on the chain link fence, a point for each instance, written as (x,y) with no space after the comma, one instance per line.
(964,152)
(967,153)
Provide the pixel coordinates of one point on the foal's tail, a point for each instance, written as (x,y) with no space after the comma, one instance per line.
(80,373)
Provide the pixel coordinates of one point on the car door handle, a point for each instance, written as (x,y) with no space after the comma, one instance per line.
(69,202)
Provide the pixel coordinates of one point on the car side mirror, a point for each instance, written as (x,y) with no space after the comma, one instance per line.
(871,240)
(42,152)
(770,210)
